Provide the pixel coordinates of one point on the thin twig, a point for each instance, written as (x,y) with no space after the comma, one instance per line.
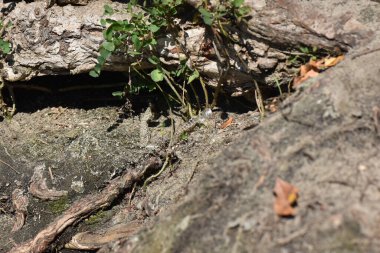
(291,237)
(153,177)
(132,194)
(10,166)
(259,100)
(204,91)
(192,173)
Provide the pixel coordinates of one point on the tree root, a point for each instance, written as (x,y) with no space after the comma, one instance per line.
(84,207)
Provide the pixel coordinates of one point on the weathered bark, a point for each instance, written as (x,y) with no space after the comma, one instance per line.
(65,40)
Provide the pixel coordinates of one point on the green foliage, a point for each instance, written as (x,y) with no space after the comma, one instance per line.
(227,11)
(137,37)
(304,54)
(184,136)
(157,75)
(310,52)
(5,46)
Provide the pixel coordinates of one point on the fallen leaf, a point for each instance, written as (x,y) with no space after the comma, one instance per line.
(314,67)
(304,69)
(286,197)
(227,123)
(332,61)
(300,79)
(317,65)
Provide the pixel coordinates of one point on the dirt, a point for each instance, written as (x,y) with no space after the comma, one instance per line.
(83,149)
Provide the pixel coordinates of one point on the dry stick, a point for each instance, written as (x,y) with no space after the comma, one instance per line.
(291,237)
(224,69)
(80,209)
(259,100)
(10,167)
(153,177)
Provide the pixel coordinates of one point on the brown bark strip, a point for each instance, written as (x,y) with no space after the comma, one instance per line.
(20,202)
(82,208)
(95,240)
(38,186)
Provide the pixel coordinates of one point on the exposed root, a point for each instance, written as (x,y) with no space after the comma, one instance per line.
(38,186)
(20,202)
(93,241)
(83,208)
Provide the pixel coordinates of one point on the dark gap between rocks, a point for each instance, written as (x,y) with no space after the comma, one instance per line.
(78,91)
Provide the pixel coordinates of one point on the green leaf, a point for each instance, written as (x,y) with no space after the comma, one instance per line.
(208,21)
(110,21)
(153,42)
(108,10)
(119,94)
(101,60)
(104,53)
(94,73)
(206,16)
(5,46)
(244,11)
(132,53)
(154,60)
(238,3)
(304,50)
(109,46)
(136,42)
(154,28)
(193,76)
(157,75)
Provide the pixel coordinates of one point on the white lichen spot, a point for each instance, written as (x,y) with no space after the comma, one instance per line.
(77,186)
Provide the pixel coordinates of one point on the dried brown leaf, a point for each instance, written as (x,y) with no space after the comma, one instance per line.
(227,123)
(332,61)
(300,79)
(286,196)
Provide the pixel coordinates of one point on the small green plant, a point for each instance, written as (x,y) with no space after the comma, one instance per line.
(310,52)
(305,54)
(184,136)
(227,10)
(5,48)
(136,38)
